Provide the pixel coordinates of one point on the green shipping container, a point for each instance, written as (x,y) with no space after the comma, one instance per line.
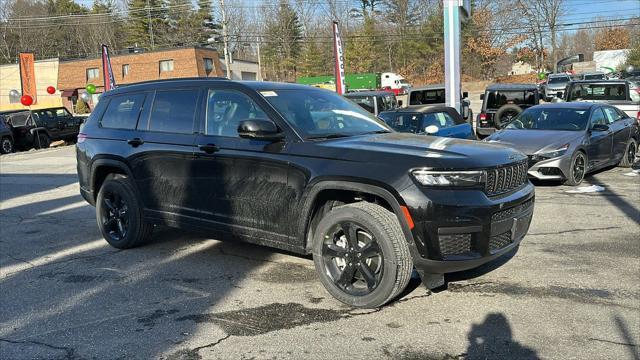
(367,81)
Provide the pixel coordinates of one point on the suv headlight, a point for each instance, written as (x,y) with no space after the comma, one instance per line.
(449,178)
(552,154)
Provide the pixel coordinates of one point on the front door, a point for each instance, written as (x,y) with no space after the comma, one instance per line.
(241,183)
(620,126)
(600,142)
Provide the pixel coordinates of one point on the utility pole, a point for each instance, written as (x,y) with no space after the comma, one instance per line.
(259,77)
(225,38)
(150,25)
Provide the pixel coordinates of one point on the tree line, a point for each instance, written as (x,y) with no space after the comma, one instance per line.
(294,37)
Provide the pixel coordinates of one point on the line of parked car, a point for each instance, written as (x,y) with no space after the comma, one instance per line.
(27,129)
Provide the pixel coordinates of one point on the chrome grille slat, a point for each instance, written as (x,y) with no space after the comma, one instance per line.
(506,178)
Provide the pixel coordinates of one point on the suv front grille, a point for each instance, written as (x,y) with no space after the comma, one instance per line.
(497,242)
(504,179)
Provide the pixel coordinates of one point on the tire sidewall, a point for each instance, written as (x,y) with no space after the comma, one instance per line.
(625,162)
(504,108)
(42,141)
(386,287)
(2,146)
(133,232)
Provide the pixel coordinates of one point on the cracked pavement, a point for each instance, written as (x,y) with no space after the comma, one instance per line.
(571,292)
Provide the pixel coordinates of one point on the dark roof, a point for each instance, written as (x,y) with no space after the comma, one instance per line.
(368,93)
(428,87)
(199,81)
(494,87)
(599,81)
(420,109)
(570,105)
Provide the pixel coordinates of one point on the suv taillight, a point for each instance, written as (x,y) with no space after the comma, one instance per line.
(483,117)
(81,138)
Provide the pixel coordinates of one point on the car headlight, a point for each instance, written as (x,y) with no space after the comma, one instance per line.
(552,154)
(449,178)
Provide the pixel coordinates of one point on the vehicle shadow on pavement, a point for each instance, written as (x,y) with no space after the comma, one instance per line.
(628,208)
(493,339)
(28,184)
(482,269)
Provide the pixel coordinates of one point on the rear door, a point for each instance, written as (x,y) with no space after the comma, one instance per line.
(163,152)
(621,131)
(600,146)
(68,125)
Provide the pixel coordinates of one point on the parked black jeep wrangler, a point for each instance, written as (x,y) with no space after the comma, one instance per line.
(6,137)
(305,170)
(38,128)
(501,103)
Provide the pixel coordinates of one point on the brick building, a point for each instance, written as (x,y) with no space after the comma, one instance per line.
(74,75)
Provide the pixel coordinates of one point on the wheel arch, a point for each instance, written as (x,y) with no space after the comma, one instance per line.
(320,193)
(101,168)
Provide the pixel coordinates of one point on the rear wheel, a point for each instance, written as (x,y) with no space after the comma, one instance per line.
(629,154)
(42,141)
(6,146)
(361,255)
(119,214)
(578,169)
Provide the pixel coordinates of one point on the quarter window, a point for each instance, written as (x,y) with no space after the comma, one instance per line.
(92,73)
(174,111)
(166,65)
(226,109)
(122,112)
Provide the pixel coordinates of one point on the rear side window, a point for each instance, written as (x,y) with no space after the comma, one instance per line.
(173,111)
(122,112)
(420,97)
(497,99)
(598,92)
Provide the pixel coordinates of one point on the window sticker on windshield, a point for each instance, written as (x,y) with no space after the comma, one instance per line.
(268,93)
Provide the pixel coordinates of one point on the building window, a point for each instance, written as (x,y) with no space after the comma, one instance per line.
(125,70)
(92,74)
(208,65)
(166,65)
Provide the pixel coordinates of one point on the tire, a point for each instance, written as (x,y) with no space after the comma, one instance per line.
(575,178)
(508,111)
(378,233)
(42,141)
(6,146)
(119,214)
(630,153)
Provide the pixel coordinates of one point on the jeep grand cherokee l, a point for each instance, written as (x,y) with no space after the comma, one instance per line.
(305,170)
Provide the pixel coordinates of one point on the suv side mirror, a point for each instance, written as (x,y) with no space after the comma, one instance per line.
(481,96)
(465,94)
(600,127)
(259,129)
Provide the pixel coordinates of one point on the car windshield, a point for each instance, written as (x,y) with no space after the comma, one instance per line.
(594,77)
(550,118)
(558,79)
(425,97)
(598,92)
(418,122)
(318,113)
(496,99)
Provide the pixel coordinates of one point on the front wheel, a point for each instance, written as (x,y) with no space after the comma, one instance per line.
(629,154)
(578,169)
(7,145)
(119,214)
(361,255)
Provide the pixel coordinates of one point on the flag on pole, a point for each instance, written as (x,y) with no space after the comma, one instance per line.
(339,58)
(107,71)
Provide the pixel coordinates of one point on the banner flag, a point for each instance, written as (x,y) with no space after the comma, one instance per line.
(107,71)
(339,58)
(28,75)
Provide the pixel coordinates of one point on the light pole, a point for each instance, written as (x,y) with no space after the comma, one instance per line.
(453,11)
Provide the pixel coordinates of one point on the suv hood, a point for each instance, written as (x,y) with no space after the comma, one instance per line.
(433,151)
(532,141)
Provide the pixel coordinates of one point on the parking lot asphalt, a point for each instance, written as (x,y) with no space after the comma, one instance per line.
(572,291)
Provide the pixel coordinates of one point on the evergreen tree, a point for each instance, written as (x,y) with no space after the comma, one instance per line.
(364,51)
(284,34)
(143,20)
(182,23)
(205,28)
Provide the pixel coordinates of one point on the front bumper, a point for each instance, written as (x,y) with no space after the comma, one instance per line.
(551,169)
(550,94)
(458,230)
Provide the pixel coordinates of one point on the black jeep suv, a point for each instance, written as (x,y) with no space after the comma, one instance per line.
(501,103)
(305,170)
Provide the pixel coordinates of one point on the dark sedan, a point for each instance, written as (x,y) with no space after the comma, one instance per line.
(566,141)
(429,120)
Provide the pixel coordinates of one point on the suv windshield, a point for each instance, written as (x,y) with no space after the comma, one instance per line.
(319,113)
(496,99)
(425,97)
(558,79)
(551,119)
(598,92)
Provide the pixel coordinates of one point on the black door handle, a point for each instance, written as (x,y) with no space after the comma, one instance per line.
(209,148)
(135,142)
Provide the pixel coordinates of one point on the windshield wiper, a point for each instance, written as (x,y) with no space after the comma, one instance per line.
(378,132)
(327,136)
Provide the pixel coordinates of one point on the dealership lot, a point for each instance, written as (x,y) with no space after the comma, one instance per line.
(571,291)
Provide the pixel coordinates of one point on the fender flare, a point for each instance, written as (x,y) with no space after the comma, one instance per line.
(377,190)
(40,129)
(110,163)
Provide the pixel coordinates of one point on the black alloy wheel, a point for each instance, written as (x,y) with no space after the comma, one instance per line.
(7,145)
(630,153)
(115,216)
(578,169)
(352,258)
